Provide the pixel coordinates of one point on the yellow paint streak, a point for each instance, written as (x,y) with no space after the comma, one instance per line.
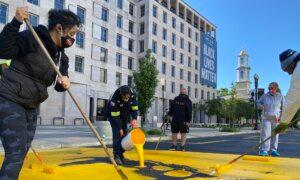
(140,150)
(162,168)
(178,173)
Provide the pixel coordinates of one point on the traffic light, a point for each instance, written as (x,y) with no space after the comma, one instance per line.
(261,91)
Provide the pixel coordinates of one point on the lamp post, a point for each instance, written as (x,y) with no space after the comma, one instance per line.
(256,78)
(163,87)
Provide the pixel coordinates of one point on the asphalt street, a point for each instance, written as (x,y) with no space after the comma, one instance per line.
(289,144)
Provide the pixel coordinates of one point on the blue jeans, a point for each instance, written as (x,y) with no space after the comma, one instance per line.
(117,139)
(17,129)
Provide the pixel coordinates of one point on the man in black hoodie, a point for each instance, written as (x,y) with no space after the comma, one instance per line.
(24,85)
(181,112)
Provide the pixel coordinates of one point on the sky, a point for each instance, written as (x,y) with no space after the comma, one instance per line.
(264,28)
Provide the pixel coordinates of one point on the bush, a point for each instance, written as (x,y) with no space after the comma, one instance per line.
(154,132)
(229,129)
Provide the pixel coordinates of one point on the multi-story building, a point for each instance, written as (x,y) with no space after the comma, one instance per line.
(114,35)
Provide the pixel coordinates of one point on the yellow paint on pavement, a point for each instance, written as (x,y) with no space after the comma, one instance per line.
(92,163)
(178,173)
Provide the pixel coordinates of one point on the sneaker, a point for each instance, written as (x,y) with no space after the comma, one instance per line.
(275,153)
(118,160)
(173,148)
(182,148)
(263,153)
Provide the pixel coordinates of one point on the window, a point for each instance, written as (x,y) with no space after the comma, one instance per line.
(196,37)
(119,59)
(196,64)
(242,75)
(173,71)
(214,96)
(164,34)
(190,47)
(181,43)
(142,28)
(173,39)
(3,13)
(181,58)
(59,4)
(181,74)
(196,50)
(154,11)
(142,9)
(118,79)
(164,50)
(131,27)
(189,76)
(80,39)
(130,63)
(119,21)
(120,4)
(196,78)
(103,55)
(173,54)
(104,15)
(196,93)
(163,68)
(208,95)
(165,17)
(154,47)
(189,62)
(173,87)
(181,86)
(189,91)
(129,81)
(154,29)
(103,75)
(130,45)
(182,28)
(81,14)
(79,64)
(142,48)
(131,9)
(174,23)
(202,94)
(34,19)
(104,34)
(119,40)
(35,2)
(190,32)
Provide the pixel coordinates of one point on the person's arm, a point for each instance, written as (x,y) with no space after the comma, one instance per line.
(260,102)
(134,112)
(189,108)
(115,114)
(171,108)
(64,71)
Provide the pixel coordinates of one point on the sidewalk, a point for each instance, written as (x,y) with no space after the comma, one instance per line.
(54,137)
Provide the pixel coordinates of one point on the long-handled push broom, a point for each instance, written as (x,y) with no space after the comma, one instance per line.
(220,169)
(88,121)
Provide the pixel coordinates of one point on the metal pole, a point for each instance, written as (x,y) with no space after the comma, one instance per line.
(255,102)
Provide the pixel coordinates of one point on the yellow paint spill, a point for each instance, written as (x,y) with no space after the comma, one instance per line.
(33,166)
(178,173)
(162,168)
(138,139)
(140,149)
(256,158)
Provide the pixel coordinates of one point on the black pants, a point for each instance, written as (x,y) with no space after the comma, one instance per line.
(117,139)
(17,129)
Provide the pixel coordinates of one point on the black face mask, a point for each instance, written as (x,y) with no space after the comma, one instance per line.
(67,41)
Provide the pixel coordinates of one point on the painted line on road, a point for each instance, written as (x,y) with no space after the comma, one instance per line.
(209,142)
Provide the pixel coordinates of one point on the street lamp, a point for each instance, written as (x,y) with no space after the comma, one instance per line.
(163,87)
(256,78)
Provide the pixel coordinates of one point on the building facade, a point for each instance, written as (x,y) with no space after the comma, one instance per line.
(243,76)
(114,35)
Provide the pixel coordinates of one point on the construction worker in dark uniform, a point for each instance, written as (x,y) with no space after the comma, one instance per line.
(181,112)
(122,109)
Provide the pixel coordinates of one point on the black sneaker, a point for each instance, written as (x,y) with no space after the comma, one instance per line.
(182,148)
(118,160)
(173,148)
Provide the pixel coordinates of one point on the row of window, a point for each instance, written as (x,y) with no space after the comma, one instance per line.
(181,73)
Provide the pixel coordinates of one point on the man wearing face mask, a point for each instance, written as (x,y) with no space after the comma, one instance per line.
(122,109)
(24,84)
(271,103)
(289,60)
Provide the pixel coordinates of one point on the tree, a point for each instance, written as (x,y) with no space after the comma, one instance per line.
(213,107)
(223,92)
(145,82)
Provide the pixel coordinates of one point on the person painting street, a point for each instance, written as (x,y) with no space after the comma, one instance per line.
(181,112)
(24,84)
(289,60)
(121,108)
(271,103)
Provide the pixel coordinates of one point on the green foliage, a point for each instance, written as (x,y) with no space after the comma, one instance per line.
(230,129)
(223,92)
(154,132)
(145,82)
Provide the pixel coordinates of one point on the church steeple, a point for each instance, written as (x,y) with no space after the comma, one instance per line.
(243,75)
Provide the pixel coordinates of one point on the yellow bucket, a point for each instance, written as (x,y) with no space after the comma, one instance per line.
(136,138)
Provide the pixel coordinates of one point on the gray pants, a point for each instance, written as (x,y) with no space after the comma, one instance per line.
(266,130)
(17,129)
